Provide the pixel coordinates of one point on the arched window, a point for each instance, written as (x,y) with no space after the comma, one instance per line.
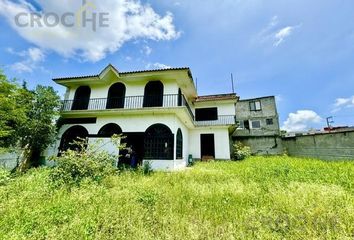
(153,95)
(109,130)
(158,142)
(74,133)
(116,96)
(82,98)
(179,144)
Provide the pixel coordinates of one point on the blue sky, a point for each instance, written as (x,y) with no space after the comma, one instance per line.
(300,51)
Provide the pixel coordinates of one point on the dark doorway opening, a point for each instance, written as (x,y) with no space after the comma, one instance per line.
(109,130)
(207,146)
(82,98)
(75,133)
(116,96)
(134,140)
(153,94)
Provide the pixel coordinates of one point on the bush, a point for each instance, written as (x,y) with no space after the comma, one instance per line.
(147,168)
(88,163)
(4,176)
(241,151)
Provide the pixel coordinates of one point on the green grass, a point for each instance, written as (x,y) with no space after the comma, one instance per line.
(259,198)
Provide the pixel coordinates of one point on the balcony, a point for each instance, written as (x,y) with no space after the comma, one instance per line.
(141,102)
(221,121)
(131,102)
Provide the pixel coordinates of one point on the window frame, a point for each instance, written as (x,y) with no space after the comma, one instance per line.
(253,121)
(270,121)
(254,105)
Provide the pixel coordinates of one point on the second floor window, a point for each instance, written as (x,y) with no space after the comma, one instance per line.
(255,106)
(206,114)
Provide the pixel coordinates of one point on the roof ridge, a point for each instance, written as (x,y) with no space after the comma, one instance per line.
(127,72)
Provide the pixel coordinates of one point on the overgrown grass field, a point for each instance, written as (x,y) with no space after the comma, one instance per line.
(259,198)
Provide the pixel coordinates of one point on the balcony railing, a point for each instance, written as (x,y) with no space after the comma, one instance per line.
(222,120)
(131,102)
(138,102)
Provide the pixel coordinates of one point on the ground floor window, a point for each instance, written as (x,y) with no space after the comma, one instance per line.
(158,143)
(179,145)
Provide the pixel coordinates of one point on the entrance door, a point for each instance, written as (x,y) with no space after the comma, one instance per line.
(207,146)
(136,141)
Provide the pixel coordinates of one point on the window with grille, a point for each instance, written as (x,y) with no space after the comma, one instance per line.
(158,143)
(269,121)
(179,145)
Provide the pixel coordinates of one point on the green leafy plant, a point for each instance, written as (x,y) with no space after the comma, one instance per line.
(4,176)
(88,163)
(147,168)
(241,151)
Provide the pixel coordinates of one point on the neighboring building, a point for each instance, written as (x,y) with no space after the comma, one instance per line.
(159,111)
(258,125)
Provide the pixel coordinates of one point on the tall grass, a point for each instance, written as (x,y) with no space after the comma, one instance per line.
(260,198)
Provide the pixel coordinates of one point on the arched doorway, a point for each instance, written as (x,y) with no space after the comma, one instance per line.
(179,144)
(82,98)
(72,134)
(109,130)
(158,143)
(116,96)
(153,94)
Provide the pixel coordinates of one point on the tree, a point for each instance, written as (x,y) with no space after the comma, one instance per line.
(27,119)
(12,111)
(39,131)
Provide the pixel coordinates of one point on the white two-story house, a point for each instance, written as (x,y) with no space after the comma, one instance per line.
(158,111)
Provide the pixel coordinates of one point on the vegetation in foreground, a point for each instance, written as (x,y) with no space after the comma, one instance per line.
(259,198)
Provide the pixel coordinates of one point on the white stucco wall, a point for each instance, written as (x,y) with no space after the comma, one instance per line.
(134,123)
(221,138)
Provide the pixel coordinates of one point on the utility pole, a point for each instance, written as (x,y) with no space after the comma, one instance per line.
(232,83)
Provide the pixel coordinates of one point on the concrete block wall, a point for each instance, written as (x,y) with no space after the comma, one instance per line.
(265,145)
(329,146)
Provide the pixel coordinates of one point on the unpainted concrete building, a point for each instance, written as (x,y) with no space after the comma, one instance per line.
(258,125)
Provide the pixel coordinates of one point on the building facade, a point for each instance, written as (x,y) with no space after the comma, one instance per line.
(158,111)
(258,125)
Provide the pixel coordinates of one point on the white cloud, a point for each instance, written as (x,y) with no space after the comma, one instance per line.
(341,103)
(282,34)
(301,121)
(128,20)
(146,50)
(36,54)
(30,59)
(156,66)
(272,32)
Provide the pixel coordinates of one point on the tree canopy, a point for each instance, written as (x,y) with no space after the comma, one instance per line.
(27,117)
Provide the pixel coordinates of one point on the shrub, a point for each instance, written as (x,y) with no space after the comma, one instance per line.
(88,163)
(147,168)
(241,151)
(4,176)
